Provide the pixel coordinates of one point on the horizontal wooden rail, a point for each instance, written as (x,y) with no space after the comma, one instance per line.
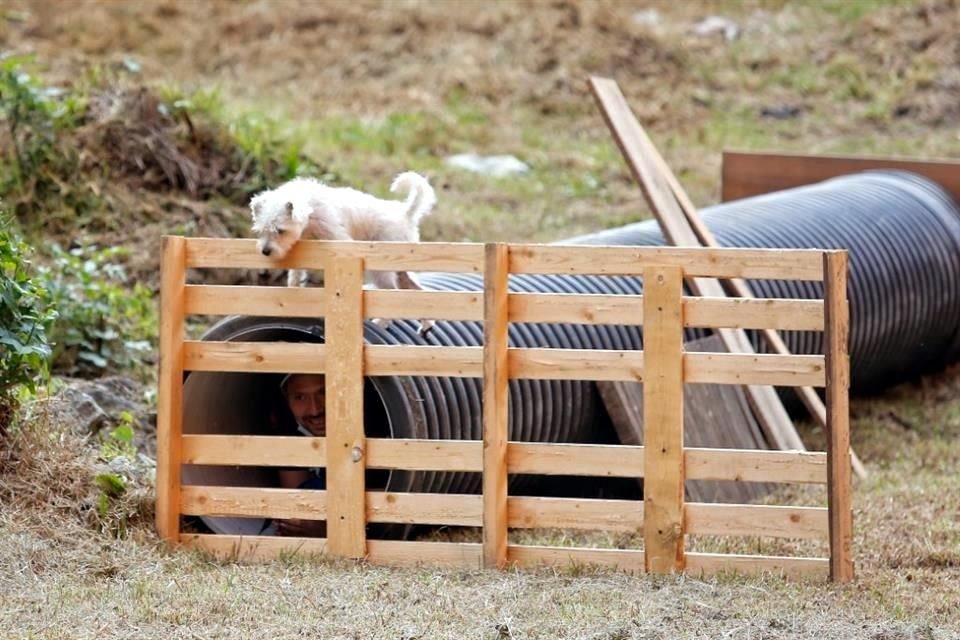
(304,302)
(711,563)
(261,502)
(741,465)
(623,516)
(254,357)
(755,520)
(206,253)
(469,555)
(750,465)
(772,264)
(630,560)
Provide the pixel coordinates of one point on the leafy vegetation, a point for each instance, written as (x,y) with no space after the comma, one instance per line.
(26,315)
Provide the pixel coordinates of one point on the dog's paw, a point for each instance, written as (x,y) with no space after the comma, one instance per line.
(383,323)
(425,326)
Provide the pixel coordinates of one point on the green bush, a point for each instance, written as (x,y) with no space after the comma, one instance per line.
(103,324)
(26,315)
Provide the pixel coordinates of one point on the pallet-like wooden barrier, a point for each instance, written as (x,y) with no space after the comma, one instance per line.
(663,366)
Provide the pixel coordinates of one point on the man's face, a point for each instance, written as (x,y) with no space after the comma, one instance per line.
(306,397)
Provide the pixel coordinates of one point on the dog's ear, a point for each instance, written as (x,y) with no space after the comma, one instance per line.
(299,212)
(256,207)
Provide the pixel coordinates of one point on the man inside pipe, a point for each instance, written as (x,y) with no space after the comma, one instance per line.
(305,396)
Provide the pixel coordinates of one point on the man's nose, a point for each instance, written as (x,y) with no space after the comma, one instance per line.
(315,406)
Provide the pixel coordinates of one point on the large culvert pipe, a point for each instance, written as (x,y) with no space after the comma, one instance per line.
(903,234)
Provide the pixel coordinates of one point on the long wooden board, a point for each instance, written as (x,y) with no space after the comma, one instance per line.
(746,174)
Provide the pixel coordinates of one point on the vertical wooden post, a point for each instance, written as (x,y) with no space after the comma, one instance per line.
(836,336)
(173,280)
(495,405)
(346,462)
(663,482)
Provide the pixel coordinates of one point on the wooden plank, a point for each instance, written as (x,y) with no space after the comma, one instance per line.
(754,369)
(420,360)
(460,257)
(712,563)
(630,560)
(223,300)
(836,339)
(265,451)
(575,364)
(436,305)
(773,264)
(648,168)
(309,302)
(756,465)
(455,510)
(260,502)
(254,357)
(308,357)
(625,516)
(720,368)
(755,520)
(746,174)
(601,460)
(254,548)
(796,315)
(170,387)
(425,455)
(495,405)
(400,553)
(346,525)
(663,485)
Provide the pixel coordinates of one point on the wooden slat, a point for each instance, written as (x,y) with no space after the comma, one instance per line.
(575,364)
(455,510)
(773,264)
(314,254)
(400,553)
(755,520)
(310,302)
(170,391)
(746,174)
(253,548)
(255,357)
(495,408)
(629,560)
(436,305)
(261,502)
(625,516)
(838,417)
(346,525)
(755,369)
(663,484)
(712,563)
(222,300)
(663,194)
(385,360)
(796,315)
(753,313)
(265,451)
(720,368)
(612,461)
(756,466)
(425,455)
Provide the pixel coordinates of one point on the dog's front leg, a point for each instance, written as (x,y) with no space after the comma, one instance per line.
(297,278)
(406,280)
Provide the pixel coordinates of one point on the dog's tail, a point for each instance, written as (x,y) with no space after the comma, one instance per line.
(420,195)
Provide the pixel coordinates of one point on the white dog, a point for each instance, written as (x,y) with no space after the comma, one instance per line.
(304,208)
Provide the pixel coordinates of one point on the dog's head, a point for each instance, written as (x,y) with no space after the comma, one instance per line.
(276,224)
